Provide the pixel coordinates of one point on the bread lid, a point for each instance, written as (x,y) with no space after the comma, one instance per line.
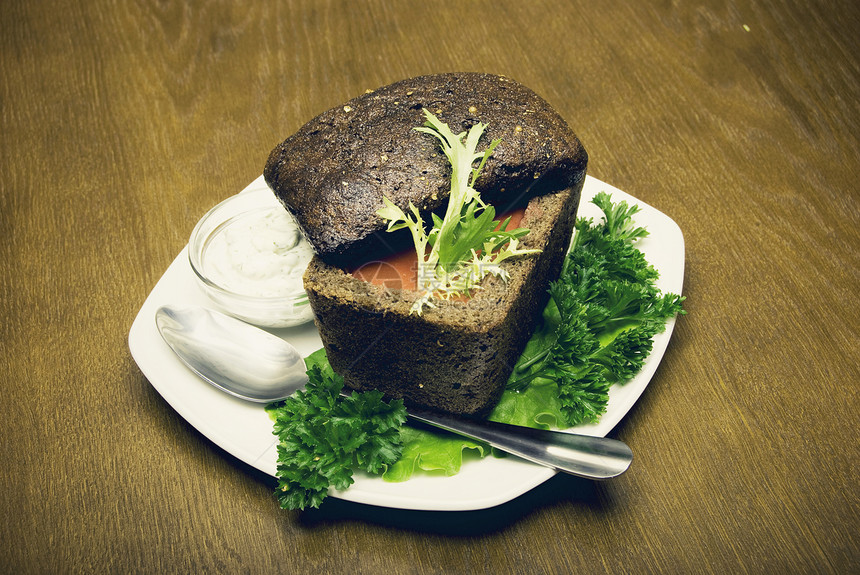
(334,171)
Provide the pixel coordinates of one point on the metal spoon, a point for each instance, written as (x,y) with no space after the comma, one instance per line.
(250,363)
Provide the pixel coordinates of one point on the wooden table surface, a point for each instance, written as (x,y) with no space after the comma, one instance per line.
(123,122)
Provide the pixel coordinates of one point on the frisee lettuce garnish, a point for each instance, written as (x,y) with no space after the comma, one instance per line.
(467,244)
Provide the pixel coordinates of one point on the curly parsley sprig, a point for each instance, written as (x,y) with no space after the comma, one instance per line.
(324,435)
(603,313)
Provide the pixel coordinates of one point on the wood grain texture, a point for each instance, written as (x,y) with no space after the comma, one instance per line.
(123,122)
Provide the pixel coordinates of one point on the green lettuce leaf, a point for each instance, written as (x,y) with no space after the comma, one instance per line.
(431,451)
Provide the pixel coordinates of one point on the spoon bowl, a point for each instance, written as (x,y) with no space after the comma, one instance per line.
(252,364)
(236,357)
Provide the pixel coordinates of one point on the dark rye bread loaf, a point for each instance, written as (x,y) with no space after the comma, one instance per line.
(332,173)
(457,356)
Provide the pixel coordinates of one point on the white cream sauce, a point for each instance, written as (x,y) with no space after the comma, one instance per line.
(261,253)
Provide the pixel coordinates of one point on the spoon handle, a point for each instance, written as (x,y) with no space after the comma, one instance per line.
(580,455)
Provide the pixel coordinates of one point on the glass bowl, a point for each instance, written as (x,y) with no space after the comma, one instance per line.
(248,255)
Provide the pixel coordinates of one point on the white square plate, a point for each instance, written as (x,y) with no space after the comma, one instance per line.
(244,429)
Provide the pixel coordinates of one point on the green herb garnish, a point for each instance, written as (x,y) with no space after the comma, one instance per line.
(467,244)
(603,312)
(596,330)
(324,436)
